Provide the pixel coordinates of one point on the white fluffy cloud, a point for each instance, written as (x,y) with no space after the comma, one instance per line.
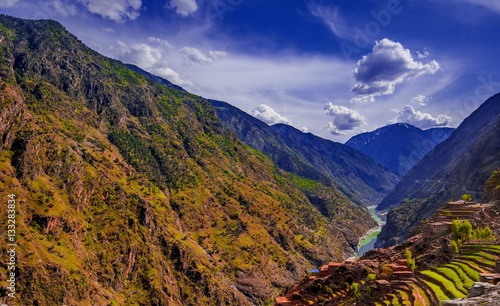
(344,119)
(267,114)
(184,7)
(117,10)
(142,55)
(422,120)
(171,75)
(330,127)
(420,100)
(151,59)
(388,65)
(423,54)
(159,41)
(195,56)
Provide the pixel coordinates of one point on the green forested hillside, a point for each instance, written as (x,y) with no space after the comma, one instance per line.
(131,193)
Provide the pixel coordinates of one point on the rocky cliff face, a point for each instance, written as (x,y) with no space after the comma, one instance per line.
(133,193)
(399,146)
(461,164)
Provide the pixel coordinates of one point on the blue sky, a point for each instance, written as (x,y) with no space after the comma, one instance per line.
(334,68)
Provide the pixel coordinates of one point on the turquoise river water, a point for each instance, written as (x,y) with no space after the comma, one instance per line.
(367,243)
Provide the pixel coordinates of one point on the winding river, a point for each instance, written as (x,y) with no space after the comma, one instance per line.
(367,242)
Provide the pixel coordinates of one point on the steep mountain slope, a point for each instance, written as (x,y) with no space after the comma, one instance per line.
(399,146)
(356,173)
(131,193)
(459,165)
(262,137)
(358,176)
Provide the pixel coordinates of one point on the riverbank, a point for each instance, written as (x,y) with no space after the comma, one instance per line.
(367,242)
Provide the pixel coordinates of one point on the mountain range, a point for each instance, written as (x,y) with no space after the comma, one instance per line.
(399,146)
(358,176)
(132,192)
(459,165)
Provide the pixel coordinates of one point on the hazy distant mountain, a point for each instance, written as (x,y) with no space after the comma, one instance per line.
(461,164)
(357,175)
(399,146)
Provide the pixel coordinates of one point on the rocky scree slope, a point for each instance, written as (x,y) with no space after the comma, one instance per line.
(362,179)
(399,146)
(461,164)
(133,193)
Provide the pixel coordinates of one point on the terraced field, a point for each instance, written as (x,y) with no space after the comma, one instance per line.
(421,288)
(448,281)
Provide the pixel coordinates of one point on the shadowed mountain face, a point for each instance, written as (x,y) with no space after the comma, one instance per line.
(399,146)
(131,192)
(461,164)
(362,179)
